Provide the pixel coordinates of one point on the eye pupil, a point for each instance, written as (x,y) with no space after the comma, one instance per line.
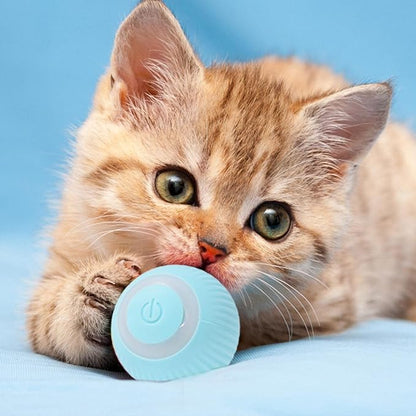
(176,185)
(272,218)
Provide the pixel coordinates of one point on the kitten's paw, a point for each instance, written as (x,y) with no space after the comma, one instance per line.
(100,290)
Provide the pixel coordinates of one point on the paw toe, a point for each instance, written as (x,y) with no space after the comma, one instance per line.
(99,340)
(131,267)
(95,303)
(101,280)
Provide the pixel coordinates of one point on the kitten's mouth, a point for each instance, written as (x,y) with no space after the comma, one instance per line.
(218,269)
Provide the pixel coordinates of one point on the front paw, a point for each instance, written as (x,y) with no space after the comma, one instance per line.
(100,290)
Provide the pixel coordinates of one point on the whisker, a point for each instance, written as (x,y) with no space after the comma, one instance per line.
(275,305)
(242,297)
(248,296)
(275,266)
(155,255)
(105,233)
(290,287)
(91,222)
(295,308)
(293,289)
(130,230)
(86,223)
(281,296)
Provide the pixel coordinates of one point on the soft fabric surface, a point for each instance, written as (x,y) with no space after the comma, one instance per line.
(368,370)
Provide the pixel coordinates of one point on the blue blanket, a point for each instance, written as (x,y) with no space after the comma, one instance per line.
(368,370)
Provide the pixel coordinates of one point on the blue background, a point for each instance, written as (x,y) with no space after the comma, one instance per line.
(52,53)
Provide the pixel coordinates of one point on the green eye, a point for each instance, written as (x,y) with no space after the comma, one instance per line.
(175,186)
(271,220)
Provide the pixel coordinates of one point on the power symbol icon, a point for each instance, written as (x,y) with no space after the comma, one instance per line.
(151,311)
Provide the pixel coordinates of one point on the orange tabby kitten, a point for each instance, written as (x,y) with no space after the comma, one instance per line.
(256,172)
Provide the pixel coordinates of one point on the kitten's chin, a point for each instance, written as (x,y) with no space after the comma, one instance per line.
(226,278)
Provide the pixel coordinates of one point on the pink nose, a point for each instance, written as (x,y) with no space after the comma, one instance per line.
(210,253)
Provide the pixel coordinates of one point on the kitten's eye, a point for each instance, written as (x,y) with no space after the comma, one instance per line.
(271,220)
(175,186)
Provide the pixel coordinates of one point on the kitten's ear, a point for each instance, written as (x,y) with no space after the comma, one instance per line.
(348,122)
(149,45)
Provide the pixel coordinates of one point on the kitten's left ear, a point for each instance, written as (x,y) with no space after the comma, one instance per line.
(348,122)
(150,49)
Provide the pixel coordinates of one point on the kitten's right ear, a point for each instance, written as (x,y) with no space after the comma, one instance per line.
(150,49)
(347,122)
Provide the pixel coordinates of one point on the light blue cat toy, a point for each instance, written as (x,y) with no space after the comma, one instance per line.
(174,321)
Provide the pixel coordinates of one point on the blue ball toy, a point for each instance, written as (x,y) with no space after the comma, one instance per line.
(174,321)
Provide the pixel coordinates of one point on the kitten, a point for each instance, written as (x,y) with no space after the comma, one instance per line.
(256,172)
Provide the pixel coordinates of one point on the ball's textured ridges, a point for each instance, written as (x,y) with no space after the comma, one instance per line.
(213,343)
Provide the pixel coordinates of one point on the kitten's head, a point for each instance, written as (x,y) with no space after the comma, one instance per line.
(222,167)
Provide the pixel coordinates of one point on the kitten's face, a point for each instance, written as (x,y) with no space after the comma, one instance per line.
(220,160)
